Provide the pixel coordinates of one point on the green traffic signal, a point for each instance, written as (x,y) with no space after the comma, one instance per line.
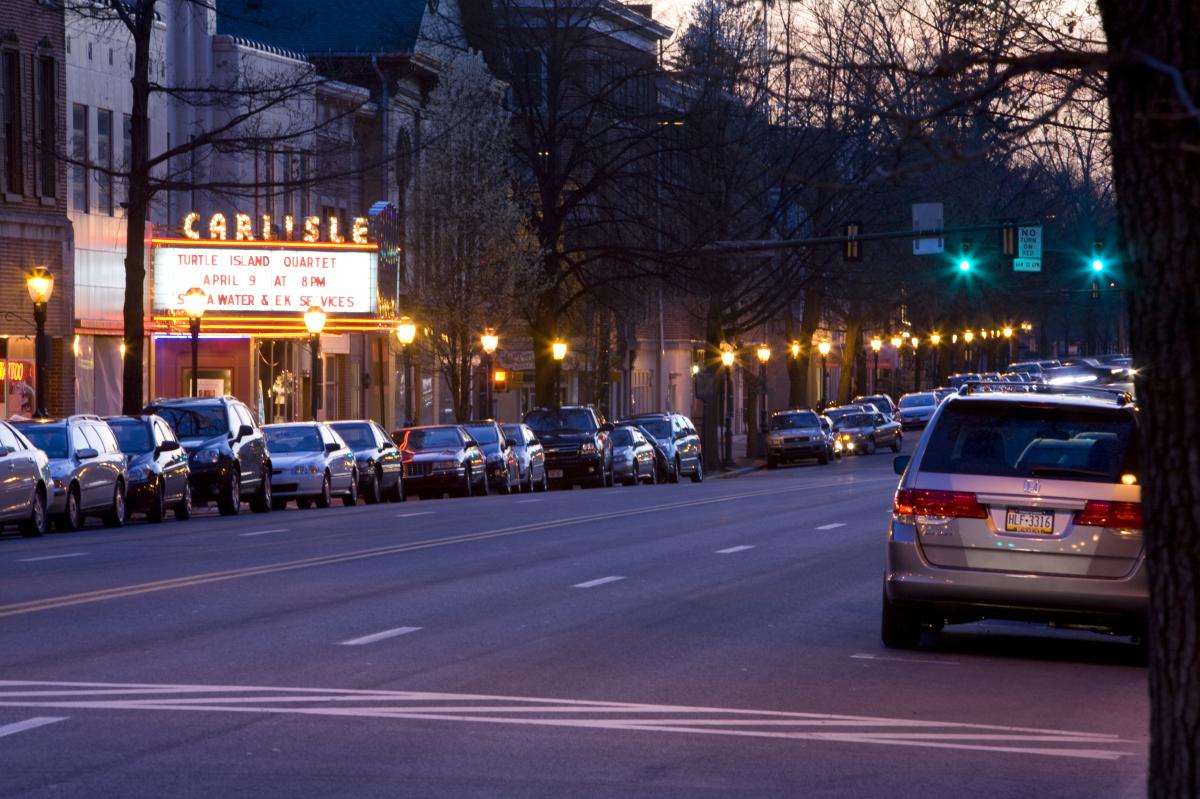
(964,265)
(1097,265)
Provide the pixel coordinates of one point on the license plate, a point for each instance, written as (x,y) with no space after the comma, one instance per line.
(1029,521)
(555,474)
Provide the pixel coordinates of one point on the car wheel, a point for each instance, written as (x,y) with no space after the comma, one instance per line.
(183,511)
(896,445)
(350,498)
(698,472)
(261,502)
(465,490)
(115,516)
(823,458)
(772,462)
(869,447)
(72,517)
(654,475)
(278,503)
(325,498)
(396,493)
(35,525)
(528,489)
(545,481)
(484,488)
(158,503)
(373,493)
(676,470)
(900,627)
(229,501)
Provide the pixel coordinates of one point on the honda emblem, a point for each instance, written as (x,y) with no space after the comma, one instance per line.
(1032,486)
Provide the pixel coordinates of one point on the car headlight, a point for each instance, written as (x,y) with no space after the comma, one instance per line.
(587,448)
(445,464)
(307,468)
(138,473)
(206,456)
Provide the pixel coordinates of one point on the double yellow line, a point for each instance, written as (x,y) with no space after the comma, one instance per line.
(137,589)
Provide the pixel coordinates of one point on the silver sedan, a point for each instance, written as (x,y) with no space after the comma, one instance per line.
(633,457)
(311,464)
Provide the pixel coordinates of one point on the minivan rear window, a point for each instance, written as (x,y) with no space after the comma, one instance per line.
(1011,440)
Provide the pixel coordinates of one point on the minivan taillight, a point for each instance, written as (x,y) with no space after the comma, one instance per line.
(924,502)
(1097,513)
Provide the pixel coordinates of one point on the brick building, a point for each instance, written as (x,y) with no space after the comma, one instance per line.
(34,229)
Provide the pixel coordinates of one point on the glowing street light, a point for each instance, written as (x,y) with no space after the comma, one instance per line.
(488,341)
(194,303)
(40,284)
(823,348)
(558,350)
(795,348)
(314,321)
(876,346)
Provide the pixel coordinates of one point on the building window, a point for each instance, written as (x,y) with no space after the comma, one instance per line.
(10,111)
(104,161)
(79,152)
(47,126)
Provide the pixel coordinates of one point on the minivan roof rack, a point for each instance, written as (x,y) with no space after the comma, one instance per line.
(1116,395)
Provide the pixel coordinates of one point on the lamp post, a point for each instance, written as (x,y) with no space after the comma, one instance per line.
(896,341)
(968,337)
(314,320)
(558,349)
(936,339)
(823,348)
(727,359)
(489,341)
(876,346)
(916,364)
(194,302)
(1008,336)
(40,284)
(406,333)
(764,354)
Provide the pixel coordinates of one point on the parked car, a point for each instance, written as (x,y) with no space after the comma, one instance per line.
(311,464)
(28,484)
(441,459)
(228,458)
(863,433)
(1019,506)
(663,462)
(531,459)
(676,436)
(504,474)
(575,440)
(942,393)
(633,456)
(156,465)
(835,446)
(959,380)
(882,402)
(87,469)
(378,459)
(916,409)
(795,435)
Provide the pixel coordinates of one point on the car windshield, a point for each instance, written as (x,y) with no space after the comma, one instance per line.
(622,437)
(1071,442)
(856,420)
(293,439)
(51,440)
(917,400)
(484,434)
(132,437)
(878,401)
(788,421)
(357,436)
(200,422)
(434,438)
(659,428)
(562,420)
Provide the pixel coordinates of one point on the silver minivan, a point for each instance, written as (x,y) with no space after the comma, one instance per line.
(1019,506)
(87,469)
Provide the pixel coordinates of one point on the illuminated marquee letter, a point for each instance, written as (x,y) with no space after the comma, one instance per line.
(289,224)
(312,228)
(216,227)
(335,236)
(358,231)
(268,232)
(244,228)
(189,226)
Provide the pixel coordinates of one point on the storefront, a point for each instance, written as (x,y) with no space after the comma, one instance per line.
(253,341)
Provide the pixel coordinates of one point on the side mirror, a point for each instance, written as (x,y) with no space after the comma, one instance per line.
(4,450)
(168,446)
(510,442)
(900,463)
(332,446)
(87,453)
(243,431)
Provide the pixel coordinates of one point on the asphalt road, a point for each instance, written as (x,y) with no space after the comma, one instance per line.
(680,640)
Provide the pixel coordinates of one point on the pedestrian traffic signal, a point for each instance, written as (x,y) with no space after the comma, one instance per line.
(500,381)
(852,250)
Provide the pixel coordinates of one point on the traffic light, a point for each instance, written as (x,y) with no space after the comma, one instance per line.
(1008,238)
(852,250)
(499,381)
(964,264)
(1097,265)
(1098,256)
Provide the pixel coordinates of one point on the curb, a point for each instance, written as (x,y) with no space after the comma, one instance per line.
(737,472)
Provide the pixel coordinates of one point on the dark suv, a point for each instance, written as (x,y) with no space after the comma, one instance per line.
(227,453)
(575,440)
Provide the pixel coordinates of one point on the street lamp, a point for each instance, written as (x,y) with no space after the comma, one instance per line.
(558,349)
(194,303)
(41,285)
(916,364)
(968,337)
(795,348)
(1007,332)
(823,348)
(936,339)
(406,333)
(489,341)
(764,354)
(727,359)
(876,346)
(314,320)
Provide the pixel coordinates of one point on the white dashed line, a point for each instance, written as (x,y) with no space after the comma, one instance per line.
(594,583)
(29,724)
(731,550)
(833,526)
(373,637)
(526,501)
(410,515)
(263,532)
(863,656)
(52,557)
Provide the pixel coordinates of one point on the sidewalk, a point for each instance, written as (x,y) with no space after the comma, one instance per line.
(741,464)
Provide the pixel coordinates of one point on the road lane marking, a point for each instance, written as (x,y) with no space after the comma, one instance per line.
(204,578)
(29,724)
(52,557)
(373,637)
(833,526)
(263,532)
(731,550)
(410,515)
(526,501)
(865,656)
(601,581)
(401,706)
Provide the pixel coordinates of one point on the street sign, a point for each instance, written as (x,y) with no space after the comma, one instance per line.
(1027,264)
(928,216)
(1029,244)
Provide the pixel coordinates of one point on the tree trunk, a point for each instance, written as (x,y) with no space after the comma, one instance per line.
(1157,174)
(809,320)
(849,354)
(544,328)
(794,372)
(710,397)
(132,372)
